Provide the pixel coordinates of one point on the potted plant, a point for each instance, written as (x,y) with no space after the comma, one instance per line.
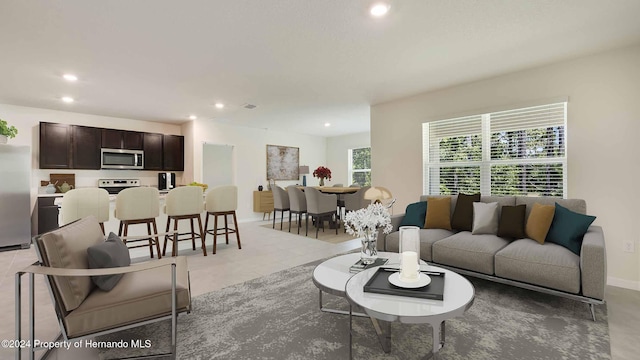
(322,173)
(6,131)
(367,223)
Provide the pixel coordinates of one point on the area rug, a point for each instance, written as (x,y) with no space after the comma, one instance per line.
(277,317)
(328,235)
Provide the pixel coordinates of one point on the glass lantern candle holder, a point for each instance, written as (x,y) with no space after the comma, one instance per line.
(410,242)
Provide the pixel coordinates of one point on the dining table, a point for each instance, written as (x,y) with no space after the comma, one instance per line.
(334,189)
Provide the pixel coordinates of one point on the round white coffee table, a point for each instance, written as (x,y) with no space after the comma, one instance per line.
(458,297)
(332,275)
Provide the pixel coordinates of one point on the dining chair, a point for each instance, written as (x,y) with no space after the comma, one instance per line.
(184,203)
(79,203)
(319,207)
(139,205)
(222,201)
(298,205)
(356,201)
(280,203)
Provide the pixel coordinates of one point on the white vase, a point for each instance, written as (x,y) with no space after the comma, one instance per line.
(3,139)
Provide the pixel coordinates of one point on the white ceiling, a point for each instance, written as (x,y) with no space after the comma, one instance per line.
(302,62)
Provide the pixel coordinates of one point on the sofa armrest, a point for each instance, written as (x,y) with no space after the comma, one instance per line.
(593,263)
(396,220)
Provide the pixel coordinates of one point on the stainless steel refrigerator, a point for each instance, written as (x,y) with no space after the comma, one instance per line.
(15,197)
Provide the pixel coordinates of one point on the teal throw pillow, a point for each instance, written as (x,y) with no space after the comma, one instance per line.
(568,228)
(415,214)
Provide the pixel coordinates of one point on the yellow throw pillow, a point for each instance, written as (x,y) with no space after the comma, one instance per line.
(539,222)
(438,213)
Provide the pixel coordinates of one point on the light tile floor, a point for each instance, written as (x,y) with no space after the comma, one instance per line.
(263,252)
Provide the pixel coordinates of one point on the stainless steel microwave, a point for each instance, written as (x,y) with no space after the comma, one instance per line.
(122,159)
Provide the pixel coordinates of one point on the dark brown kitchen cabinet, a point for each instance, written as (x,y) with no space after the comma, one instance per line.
(55,146)
(122,139)
(173,150)
(152,145)
(86,147)
(47,214)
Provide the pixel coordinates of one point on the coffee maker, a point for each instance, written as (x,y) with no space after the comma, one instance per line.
(166,180)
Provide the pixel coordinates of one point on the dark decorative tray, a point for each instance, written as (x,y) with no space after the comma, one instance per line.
(379,283)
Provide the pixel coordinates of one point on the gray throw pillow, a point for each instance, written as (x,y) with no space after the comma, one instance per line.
(109,254)
(485,218)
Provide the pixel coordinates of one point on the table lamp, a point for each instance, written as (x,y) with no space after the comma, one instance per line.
(377,194)
(304,170)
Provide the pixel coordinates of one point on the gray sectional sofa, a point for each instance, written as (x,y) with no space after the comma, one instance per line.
(548,267)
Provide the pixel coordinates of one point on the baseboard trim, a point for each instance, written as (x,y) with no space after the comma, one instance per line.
(627,284)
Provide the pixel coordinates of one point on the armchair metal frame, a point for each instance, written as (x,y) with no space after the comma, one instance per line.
(49,272)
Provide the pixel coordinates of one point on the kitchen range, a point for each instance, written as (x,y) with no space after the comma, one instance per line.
(114,186)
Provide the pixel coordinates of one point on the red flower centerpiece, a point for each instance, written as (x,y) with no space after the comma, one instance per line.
(322,173)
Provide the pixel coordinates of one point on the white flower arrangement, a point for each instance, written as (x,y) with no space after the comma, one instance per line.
(364,221)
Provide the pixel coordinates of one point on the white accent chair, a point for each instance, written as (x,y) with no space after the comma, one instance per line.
(320,206)
(184,203)
(139,205)
(79,203)
(298,205)
(222,201)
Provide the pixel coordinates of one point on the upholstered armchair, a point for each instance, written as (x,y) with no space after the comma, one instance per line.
(320,206)
(143,293)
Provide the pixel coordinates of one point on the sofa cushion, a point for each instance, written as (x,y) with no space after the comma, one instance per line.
(576,205)
(485,218)
(109,254)
(66,247)
(462,218)
(539,222)
(467,251)
(568,228)
(512,222)
(549,265)
(427,238)
(138,295)
(415,214)
(438,213)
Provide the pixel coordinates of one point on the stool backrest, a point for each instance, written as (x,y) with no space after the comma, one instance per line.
(137,203)
(184,200)
(79,203)
(222,198)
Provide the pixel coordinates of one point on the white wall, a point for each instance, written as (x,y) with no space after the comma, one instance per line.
(27,120)
(603,129)
(338,158)
(250,156)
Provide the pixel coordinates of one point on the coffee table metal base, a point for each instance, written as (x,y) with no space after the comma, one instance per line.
(337,311)
(383,330)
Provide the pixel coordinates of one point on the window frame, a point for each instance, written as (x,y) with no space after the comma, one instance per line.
(351,171)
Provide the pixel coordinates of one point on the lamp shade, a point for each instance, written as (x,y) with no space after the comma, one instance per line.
(304,169)
(377,193)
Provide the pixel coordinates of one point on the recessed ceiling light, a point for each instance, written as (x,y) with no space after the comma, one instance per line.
(379,10)
(219,105)
(70,77)
(192,117)
(67,99)
(327,124)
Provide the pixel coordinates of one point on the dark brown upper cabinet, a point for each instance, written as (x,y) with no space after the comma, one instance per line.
(152,145)
(173,149)
(86,147)
(55,146)
(122,139)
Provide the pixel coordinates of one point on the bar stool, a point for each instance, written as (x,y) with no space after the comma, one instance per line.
(222,201)
(79,203)
(139,205)
(184,203)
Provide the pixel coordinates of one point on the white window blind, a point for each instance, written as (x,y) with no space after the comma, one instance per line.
(514,152)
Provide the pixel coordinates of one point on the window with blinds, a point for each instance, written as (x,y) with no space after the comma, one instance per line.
(514,152)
